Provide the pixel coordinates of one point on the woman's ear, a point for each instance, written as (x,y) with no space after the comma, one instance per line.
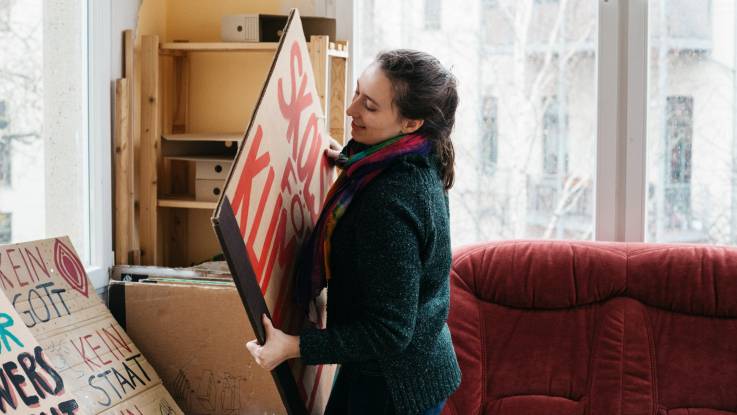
(410,126)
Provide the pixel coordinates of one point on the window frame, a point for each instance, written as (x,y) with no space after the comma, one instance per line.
(619,209)
(98,40)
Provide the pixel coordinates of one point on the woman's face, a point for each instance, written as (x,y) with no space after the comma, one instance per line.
(375,118)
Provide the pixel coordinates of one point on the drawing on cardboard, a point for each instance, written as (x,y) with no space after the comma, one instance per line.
(30,381)
(216,394)
(48,287)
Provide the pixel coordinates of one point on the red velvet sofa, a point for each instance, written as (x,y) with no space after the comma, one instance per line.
(560,327)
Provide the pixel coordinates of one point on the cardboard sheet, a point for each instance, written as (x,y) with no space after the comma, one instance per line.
(194,334)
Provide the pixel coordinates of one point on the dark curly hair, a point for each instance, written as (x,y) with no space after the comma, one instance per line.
(425,90)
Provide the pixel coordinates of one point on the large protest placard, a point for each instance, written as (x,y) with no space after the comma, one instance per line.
(29,381)
(48,286)
(271,201)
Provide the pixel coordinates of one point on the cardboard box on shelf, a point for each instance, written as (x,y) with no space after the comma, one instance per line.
(194,333)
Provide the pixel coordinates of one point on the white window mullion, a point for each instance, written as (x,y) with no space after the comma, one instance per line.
(99,162)
(609,84)
(636,122)
(621,99)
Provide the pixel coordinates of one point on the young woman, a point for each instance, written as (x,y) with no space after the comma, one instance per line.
(382,245)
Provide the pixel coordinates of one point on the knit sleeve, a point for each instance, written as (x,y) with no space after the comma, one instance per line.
(388,278)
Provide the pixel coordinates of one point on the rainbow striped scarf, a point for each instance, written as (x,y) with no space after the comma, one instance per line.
(358,170)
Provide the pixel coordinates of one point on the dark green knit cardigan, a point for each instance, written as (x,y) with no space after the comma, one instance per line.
(389,295)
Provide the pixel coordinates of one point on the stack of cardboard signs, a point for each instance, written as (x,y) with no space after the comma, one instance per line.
(101,368)
(194,330)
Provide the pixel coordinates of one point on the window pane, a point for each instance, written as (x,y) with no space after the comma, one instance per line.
(526,123)
(43,134)
(692,185)
(433,14)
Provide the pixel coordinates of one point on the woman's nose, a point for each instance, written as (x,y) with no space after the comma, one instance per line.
(351,110)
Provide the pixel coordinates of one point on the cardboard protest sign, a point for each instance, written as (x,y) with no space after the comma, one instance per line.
(48,286)
(29,382)
(271,201)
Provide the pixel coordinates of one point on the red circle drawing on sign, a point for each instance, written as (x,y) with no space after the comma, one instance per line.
(70,268)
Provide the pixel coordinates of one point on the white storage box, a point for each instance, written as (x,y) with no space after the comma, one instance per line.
(212,169)
(208,190)
(240,28)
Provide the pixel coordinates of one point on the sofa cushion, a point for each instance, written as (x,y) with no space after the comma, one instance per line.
(594,328)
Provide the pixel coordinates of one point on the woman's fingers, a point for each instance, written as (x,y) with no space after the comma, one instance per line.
(331,154)
(333,151)
(255,349)
(274,350)
(268,326)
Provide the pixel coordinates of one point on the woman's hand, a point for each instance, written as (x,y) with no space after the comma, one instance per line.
(279,347)
(333,151)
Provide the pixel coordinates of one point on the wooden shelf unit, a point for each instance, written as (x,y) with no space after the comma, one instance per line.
(169,151)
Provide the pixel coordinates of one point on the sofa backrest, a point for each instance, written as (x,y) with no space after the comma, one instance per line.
(559,327)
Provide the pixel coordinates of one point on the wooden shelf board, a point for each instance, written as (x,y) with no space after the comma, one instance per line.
(204,137)
(184,202)
(200,158)
(221,46)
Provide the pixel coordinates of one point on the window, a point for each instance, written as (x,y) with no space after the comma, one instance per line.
(4,15)
(6,222)
(5,159)
(689,23)
(4,121)
(674,181)
(691,132)
(367,25)
(553,146)
(433,18)
(678,139)
(489,130)
(61,99)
